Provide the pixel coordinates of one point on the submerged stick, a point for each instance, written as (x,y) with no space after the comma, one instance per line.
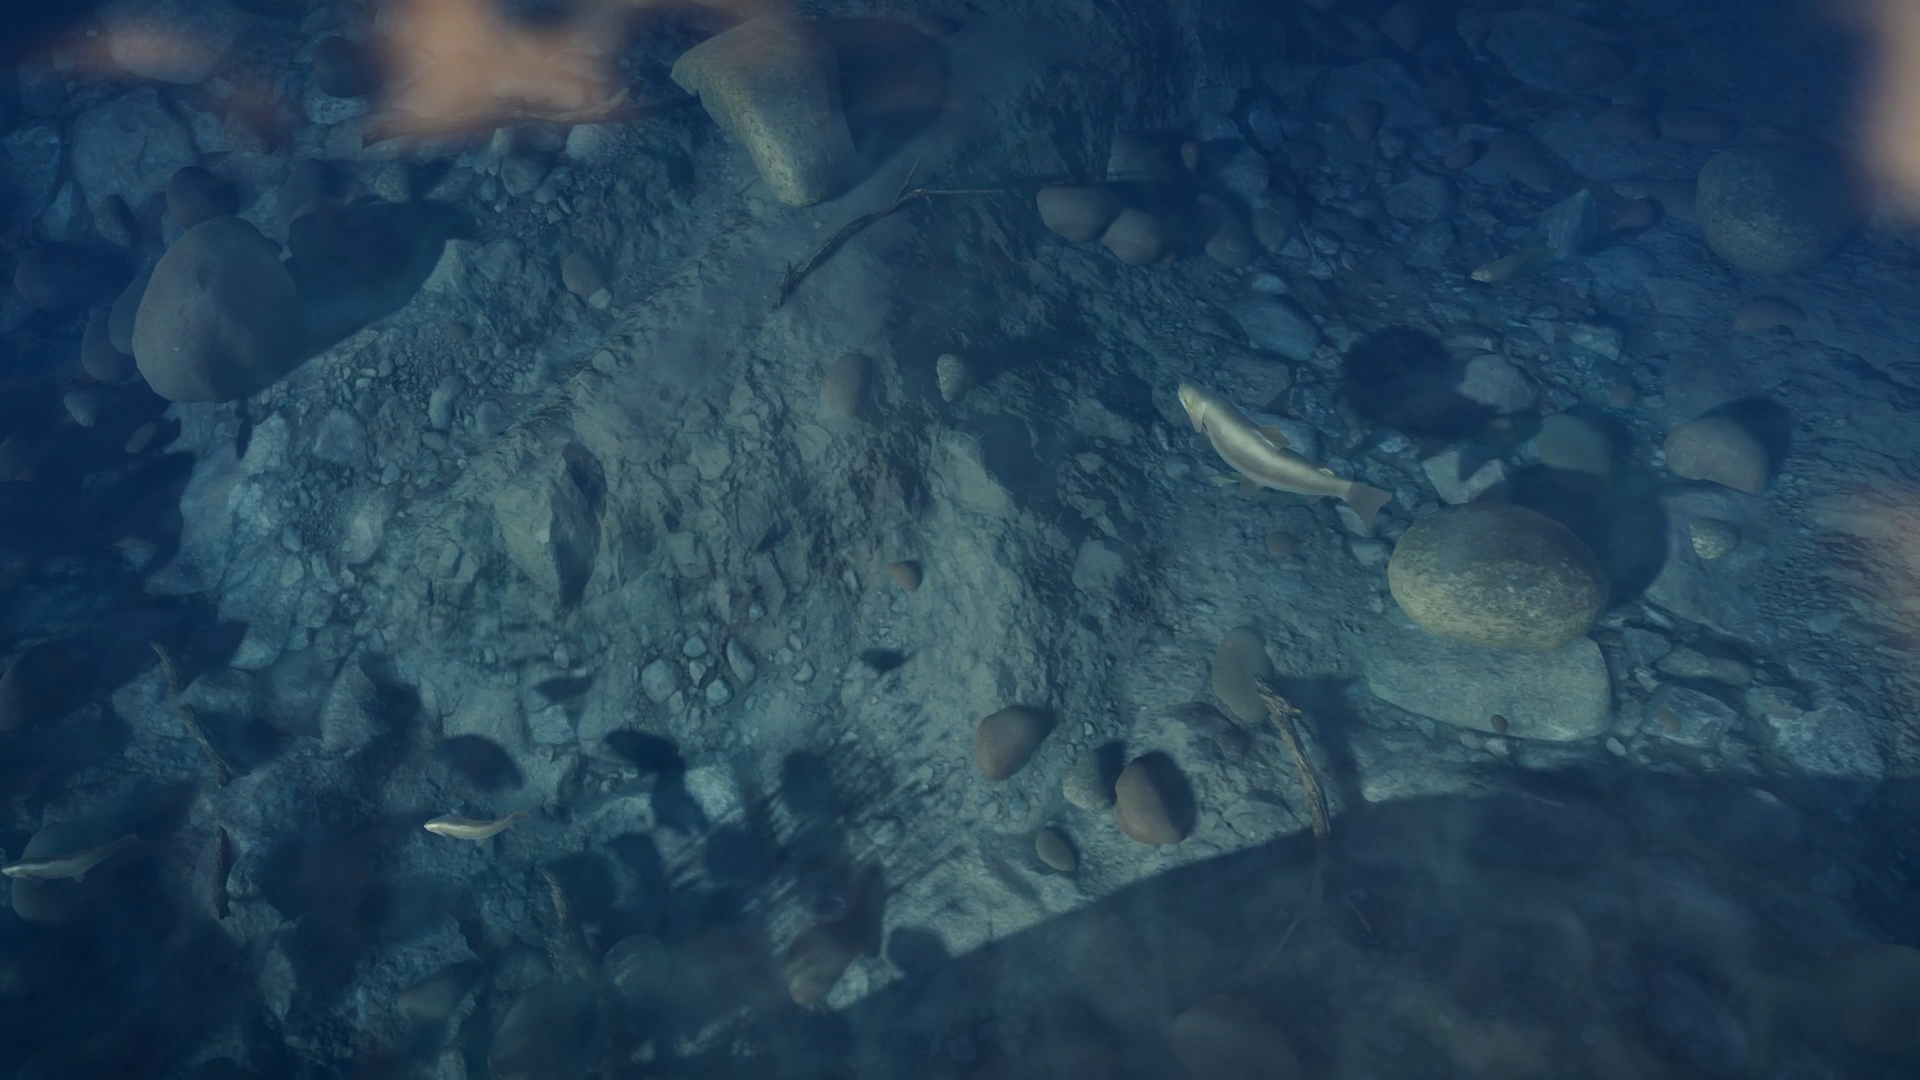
(222,772)
(1283,713)
(222,866)
(573,947)
(790,280)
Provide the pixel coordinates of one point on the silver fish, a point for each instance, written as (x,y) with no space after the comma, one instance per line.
(1261,455)
(73,866)
(466,828)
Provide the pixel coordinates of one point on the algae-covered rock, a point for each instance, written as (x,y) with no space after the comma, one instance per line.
(1719,449)
(774,84)
(1772,209)
(1498,576)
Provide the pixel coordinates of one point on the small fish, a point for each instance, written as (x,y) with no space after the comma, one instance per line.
(73,866)
(1502,269)
(1261,455)
(466,828)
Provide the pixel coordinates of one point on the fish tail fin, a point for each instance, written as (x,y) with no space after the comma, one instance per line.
(1367,501)
(519,815)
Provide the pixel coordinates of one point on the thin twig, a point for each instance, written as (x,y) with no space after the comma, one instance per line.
(573,947)
(222,866)
(1283,714)
(222,772)
(790,280)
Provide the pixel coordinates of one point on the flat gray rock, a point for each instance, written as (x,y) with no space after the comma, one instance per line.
(1277,325)
(1557,696)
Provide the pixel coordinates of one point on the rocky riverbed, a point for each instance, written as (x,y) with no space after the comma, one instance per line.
(748,442)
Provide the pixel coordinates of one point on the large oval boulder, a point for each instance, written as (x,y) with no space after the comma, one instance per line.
(1772,209)
(216,321)
(1497,576)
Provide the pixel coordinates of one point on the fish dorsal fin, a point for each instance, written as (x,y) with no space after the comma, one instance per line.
(1276,437)
(1324,471)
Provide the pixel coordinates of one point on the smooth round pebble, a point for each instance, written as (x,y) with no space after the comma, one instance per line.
(1004,742)
(1273,223)
(1143,803)
(1137,238)
(581,274)
(1088,783)
(83,406)
(1232,243)
(1077,213)
(142,437)
(1054,850)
